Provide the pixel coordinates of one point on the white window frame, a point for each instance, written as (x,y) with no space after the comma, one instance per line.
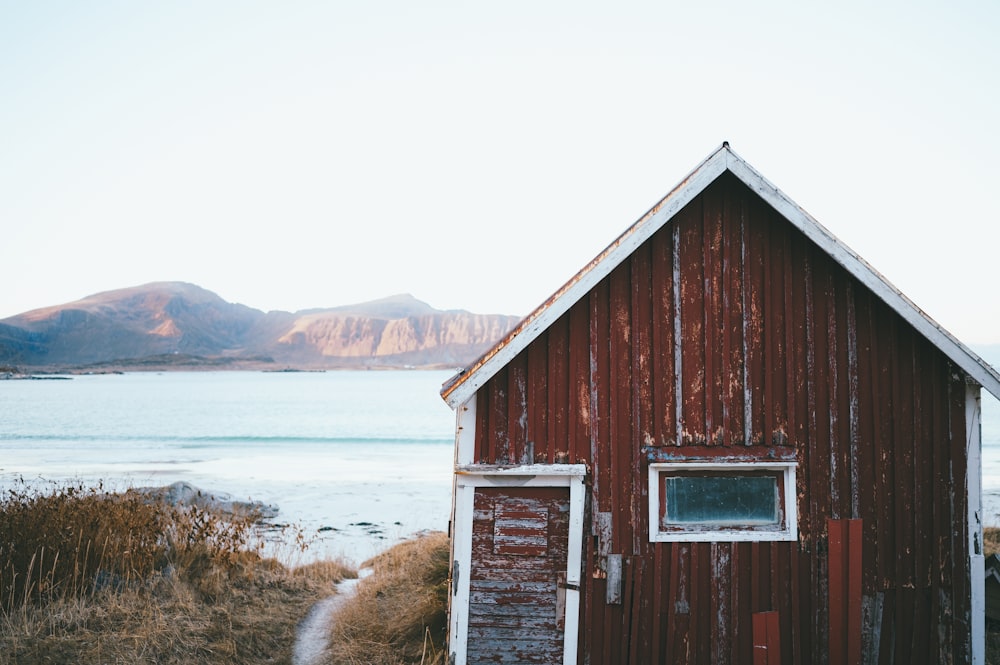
(789,528)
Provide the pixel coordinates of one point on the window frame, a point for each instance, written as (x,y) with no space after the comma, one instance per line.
(785,530)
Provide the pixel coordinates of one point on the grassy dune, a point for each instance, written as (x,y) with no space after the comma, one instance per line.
(93,577)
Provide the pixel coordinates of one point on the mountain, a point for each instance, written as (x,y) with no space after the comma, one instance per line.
(179,324)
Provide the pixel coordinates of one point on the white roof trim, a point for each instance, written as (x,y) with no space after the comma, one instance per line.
(464,385)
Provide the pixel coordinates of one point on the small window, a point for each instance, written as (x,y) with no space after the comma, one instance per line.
(722,501)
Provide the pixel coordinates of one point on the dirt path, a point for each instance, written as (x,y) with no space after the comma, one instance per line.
(313,635)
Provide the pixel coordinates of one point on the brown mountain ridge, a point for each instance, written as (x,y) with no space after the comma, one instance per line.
(175,324)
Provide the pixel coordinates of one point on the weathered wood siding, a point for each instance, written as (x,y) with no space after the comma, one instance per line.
(519,539)
(729,333)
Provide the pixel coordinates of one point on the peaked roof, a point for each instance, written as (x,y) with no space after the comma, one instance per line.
(464,385)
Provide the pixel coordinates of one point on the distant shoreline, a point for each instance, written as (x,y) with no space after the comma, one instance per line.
(186,363)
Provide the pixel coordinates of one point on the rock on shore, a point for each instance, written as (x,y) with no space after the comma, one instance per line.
(185,494)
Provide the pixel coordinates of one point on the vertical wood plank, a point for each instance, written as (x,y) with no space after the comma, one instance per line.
(692,322)
(776,312)
(500,440)
(483,429)
(660,575)
(600,361)
(558,389)
(663,374)
(620,400)
(940,513)
(733,349)
(537,402)
(766,638)
(712,317)
(837,602)
(855,536)
(641,425)
(755,337)
(962,631)
(578,443)
(845,574)
(721,623)
(517,413)
(801,370)
(905,438)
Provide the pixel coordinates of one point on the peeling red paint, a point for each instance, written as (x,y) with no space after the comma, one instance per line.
(729,334)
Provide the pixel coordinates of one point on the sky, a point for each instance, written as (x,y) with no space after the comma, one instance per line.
(476,155)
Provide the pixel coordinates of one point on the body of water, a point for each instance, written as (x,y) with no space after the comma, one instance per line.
(359,460)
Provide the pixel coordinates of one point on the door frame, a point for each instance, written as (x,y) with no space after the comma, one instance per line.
(470,477)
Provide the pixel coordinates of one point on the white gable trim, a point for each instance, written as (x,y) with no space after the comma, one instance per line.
(459,389)
(960,354)
(537,322)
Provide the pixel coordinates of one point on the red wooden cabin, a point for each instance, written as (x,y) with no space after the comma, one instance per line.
(727,439)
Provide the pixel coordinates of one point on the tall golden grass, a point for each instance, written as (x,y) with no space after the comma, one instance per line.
(75,540)
(991,540)
(399,613)
(88,576)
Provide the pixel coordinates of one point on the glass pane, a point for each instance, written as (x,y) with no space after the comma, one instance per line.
(721,500)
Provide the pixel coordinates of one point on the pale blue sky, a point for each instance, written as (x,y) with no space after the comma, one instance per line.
(307,154)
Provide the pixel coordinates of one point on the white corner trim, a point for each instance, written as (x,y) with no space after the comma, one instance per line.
(461,506)
(574,564)
(974,472)
(467,479)
(790,532)
(461,562)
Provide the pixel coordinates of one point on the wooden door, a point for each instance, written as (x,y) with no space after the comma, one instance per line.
(517,587)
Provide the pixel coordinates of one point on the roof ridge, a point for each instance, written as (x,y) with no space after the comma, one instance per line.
(463,385)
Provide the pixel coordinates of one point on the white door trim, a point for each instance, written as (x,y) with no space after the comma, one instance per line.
(470,477)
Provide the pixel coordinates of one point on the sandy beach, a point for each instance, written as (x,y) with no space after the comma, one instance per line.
(345,502)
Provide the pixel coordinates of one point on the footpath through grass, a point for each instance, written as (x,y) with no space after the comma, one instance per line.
(399,613)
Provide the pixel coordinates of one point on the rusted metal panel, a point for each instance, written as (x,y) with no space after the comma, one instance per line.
(728,334)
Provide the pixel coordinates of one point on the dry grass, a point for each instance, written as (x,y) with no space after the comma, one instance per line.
(991,540)
(89,577)
(991,545)
(399,615)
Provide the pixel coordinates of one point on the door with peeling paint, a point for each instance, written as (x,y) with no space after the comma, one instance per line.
(517,589)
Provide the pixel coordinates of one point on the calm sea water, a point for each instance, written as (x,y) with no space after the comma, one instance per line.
(358,459)
(362,458)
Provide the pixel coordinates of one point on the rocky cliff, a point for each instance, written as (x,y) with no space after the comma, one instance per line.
(176,323)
